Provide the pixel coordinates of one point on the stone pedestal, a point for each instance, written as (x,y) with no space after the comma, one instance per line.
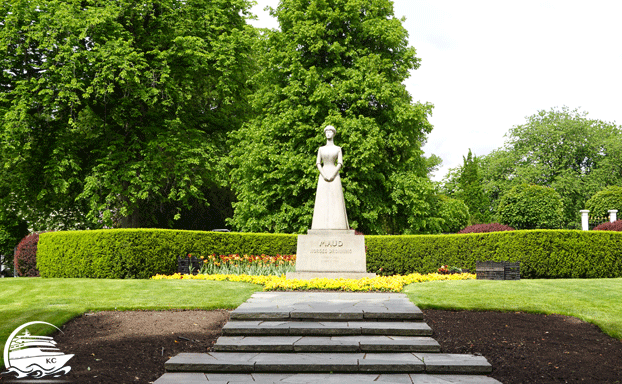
(330,253)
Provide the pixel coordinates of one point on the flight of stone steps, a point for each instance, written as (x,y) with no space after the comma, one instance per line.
(325,337)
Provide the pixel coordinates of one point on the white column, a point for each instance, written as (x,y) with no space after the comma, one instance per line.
(585,225)
(613,215)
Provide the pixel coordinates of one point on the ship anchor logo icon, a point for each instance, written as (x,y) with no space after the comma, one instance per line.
(34,356)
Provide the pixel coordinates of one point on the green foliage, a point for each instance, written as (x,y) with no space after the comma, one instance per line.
(471,190)
(12,230)
(113,111)
(531,207)
(454,212)
(562,149)
(143,253)
(341,63)
(608,199)
(449,185)
(542,253)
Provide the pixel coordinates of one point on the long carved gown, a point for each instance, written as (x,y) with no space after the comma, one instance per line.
(330,207)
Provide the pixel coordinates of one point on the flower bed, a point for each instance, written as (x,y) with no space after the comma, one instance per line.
(280,283)
(246,264)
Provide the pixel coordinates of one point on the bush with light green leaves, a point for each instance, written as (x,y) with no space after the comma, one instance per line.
(602,202)
(529,206)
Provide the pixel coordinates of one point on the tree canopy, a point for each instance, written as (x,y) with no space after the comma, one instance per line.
(340,63)
(471,190)
(118,110)
(562,149)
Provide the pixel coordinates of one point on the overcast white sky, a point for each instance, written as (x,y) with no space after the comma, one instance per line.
(486,65)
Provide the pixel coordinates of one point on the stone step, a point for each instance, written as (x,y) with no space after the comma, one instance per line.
(327,306)
(326,344)
(238,362)
(320,378)
(326,328)
(413,314)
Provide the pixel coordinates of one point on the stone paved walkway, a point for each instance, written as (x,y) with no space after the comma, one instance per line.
(326,337)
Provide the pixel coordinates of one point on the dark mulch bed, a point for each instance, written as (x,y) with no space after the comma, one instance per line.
(528,348)
(131,347)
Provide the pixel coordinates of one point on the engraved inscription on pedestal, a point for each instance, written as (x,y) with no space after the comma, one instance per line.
(330,251)
(331,246)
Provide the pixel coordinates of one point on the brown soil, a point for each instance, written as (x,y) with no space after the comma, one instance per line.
(131,347)
(528,348)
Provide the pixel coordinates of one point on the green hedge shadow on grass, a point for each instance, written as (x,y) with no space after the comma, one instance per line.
(142,253)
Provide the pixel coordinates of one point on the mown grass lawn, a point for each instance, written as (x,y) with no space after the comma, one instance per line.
(57,301)
(598,301)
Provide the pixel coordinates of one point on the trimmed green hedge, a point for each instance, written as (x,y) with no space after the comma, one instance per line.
(542,253)
(142,253)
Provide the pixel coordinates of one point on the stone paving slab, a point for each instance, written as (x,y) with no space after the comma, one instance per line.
(358,343)
(212,362)
(393,328)
(327,344)
(339,306)
(395,343)
(308,362)
(319,378)
(328,362)
(186,378)
(256,343)
(391,362)
(324,328)
(455,363)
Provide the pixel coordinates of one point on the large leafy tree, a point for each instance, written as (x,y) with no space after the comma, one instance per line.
(118,110)
(471,190)
(339,62)
(562,149)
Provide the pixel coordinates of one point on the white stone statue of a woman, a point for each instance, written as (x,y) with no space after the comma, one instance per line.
(330,206)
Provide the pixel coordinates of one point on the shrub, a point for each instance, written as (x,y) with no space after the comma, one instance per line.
(485,228)
(12,230)
(6,267)
(615,226)
(142,253)
(542,253)
(455,213)
(25,261)
(605,200)
(531,207)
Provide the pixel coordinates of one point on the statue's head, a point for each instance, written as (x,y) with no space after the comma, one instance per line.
(330,128)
